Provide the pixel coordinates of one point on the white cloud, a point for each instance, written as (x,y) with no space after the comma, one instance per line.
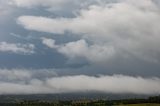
(22,75)
(11,75)
(103,21)
(81,49)
(44,24)
(49,42)
(107,84)
(121,25)
(27,82)
(17,48)
(93,53)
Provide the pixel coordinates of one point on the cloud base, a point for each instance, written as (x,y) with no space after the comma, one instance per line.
(28,82)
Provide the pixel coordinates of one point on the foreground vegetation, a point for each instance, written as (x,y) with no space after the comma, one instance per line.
(152,101)
(144,104)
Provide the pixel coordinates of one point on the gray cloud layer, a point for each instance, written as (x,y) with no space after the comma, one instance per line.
(27,82)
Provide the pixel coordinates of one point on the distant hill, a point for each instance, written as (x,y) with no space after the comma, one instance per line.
(69,96)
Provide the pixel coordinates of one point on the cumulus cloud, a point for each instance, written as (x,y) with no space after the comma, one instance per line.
(17,48)
(105,18)
(81,49)
(27,82)
(121,26)
(11,75)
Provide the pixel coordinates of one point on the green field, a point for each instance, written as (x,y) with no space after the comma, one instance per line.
(146,104)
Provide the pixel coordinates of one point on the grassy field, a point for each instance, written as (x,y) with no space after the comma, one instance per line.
(147,104)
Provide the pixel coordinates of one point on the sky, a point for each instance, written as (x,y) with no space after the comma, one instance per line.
(72,46)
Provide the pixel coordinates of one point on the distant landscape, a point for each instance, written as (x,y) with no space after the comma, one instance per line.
(49,100)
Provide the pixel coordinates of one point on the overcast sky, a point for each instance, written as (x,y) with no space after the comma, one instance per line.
(65,46)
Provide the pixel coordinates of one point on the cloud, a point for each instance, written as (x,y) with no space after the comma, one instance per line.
(121,26)
(11,75)
(26,82)
(81,49)
(49,42)
(25,75)
(5,9)
(17,48)
(103,18)
(55,5)
(32,3)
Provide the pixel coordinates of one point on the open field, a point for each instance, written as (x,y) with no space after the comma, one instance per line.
(146,104)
